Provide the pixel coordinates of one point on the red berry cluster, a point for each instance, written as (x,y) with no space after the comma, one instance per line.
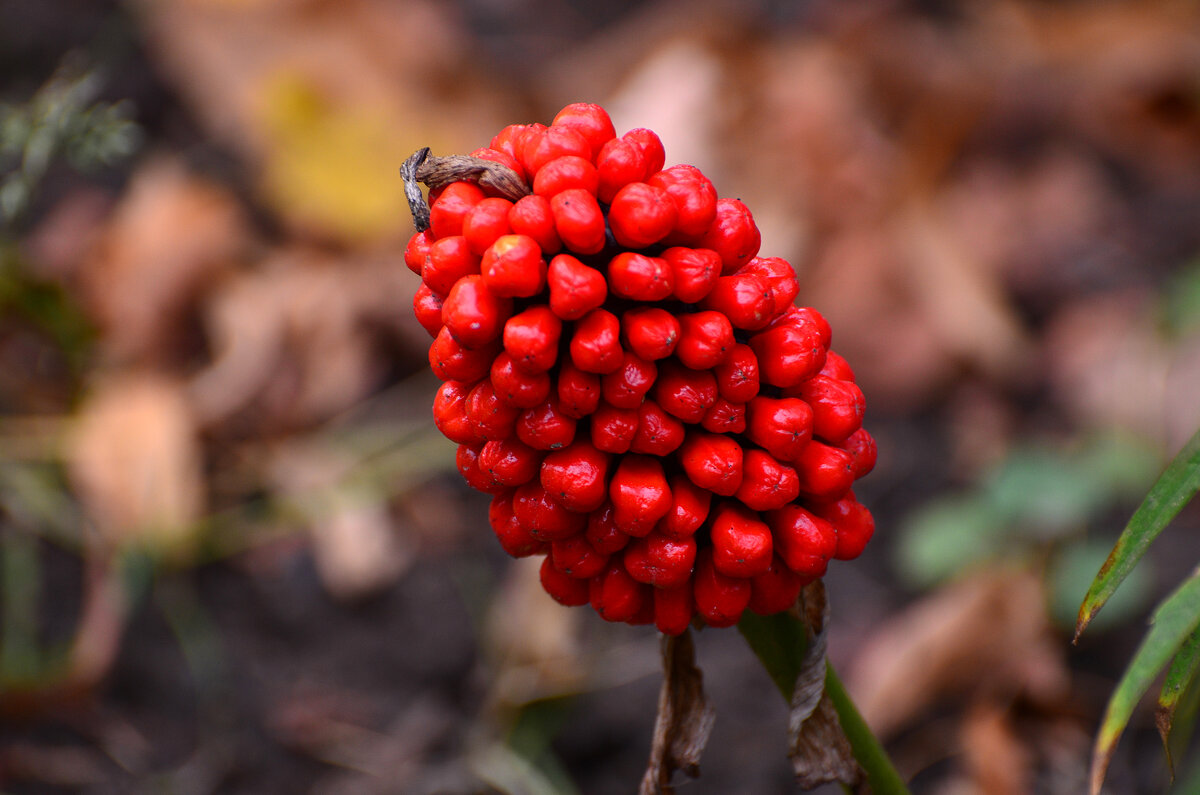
(633,383)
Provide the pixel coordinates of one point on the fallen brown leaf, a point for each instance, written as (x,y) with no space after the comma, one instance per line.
(136,463)
(986,634)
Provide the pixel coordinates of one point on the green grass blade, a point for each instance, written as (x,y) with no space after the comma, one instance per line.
(1180,682)
(1177,484)
(1175,620)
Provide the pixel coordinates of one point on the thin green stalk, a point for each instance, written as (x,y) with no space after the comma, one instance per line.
(779,642)
(881,775)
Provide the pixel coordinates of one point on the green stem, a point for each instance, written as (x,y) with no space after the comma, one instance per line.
(881,775)
(779,642)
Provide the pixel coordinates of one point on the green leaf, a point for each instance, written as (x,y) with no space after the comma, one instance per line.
(1175,619)
(1071,570)
(1179,698)
(779,642)
(1177,484)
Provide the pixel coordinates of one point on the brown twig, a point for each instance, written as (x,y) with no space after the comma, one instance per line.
(436,172)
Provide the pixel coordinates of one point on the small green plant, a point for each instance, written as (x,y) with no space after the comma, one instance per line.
(1173,640)
(62,119)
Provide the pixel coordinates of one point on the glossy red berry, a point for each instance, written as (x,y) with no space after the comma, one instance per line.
(566,172)
(613,429)
(516,387)
(641,215)
(837,407)
(660,560)
(705,339)
(578,392)
(446,213)
(575,288)
(513,266)
(732,234)
(825,472)
(626,387)
(589,120)
(578,220)
(720,599)
(741,542)
(861,447)
(427,307)
(616,596)
(491,418)
(510,462)
(531,216)
(737,376)
(576,476)
(619,163)
(602,532)
(781,426)
(417,250)
(712,462)
(545,518)
(685,393)
(806,542)
(852,523)
(450,259)
(658,433)
(450,412)
(639,493)
(473,314)
(576,557)
(596,344)
(545,427)
(745,298)
(689,508)
(514,537)
(674,608)
(452,361)
(694,196)
(650,332)
(651,146)
(531,339)
(776,589)
(486,223)
(696,271)
(724,417)
(639,277)
(565,589)
(767,484)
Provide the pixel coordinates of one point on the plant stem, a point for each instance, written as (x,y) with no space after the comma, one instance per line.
(881,775)
(779,642)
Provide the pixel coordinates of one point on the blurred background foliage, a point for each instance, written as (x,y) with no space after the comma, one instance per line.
(234,555)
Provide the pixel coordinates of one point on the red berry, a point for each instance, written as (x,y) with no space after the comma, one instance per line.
(650,332)
(565,589)
(837,367)
(576,476)
(590,121)
(451,361)
(616,596)
(450,413)
(577,558)
(725,417)
(806,542)
(563,173)
(737,376)
(545,519)
(712,462)
(689,508)
(578,392)
(705,339)
(613,429)
(491,418)
(516,387)
(446,213)
(852,523)
(626,386)
(837,407)
(513,266)
(741,543)
(825,472)
(732,234)
(467,462)
(658,433)
(779,275)
(651,146)
(776,589)
(578,221)
(514,537)
(545,427)
(427,307)
(684,393)
(720,599)
(639,493)
(790,351)
(619,163)
(861,447)
(503,158)
(640,278)
(596,344)
(473,313)
(510,462)
(531,339)
(575,289)
(508,142)
(486,223)
(766,483)
(674,608)
(641,215)
(602,532)
(696,271)
(660,560)
(417,251)
(781,426)
(554,142)
(745,298)
(449,260)
(531,216)
(694,196)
